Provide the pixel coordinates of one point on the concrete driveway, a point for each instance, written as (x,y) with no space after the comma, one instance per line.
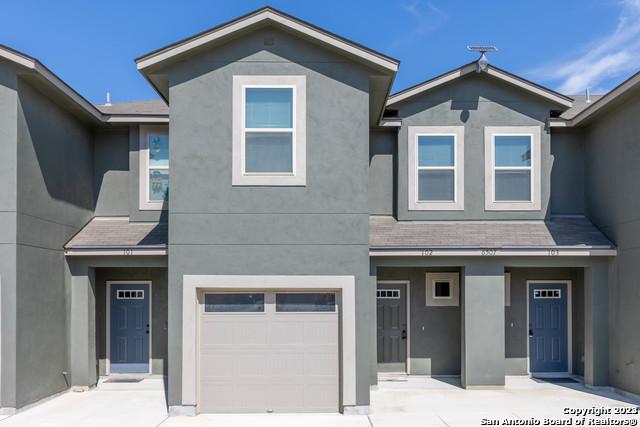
(397,402)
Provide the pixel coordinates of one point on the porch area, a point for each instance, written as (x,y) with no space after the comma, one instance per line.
(397,401)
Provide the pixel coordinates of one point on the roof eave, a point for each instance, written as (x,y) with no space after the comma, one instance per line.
(605,100)
(493,71)
(261,15)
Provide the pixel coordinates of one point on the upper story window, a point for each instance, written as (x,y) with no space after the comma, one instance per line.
(436,167)
(269,130)
(512,168)
(154,167)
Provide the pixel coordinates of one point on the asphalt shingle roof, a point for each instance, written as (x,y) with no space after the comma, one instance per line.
(579,104)
(385,231)
(119,233)
(148,107)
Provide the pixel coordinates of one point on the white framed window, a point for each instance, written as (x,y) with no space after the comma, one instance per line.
(512,168)
(436,167)
(442,289)
(269,131)
(154,167)
(124,294)
(388,294)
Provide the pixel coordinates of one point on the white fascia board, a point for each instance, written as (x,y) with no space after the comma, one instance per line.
(54,80)
(559,123)
(491,252)
(605,100)
(153,59)
(136,119)
(458,72)
(116,252)
(531,88)
(469,68)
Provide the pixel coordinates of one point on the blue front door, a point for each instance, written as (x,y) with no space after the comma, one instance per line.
(129,328)
(548,349)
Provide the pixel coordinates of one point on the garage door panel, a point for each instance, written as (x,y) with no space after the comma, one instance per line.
(271,361)
(321,363)
(286,363)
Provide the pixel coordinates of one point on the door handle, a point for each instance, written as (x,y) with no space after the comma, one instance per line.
(530,331)
(404,334)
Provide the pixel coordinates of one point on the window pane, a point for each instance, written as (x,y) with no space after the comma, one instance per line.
(269,152)
(229,303)
(269,108)
(306,302)
(513,150)
(435,185)
(158,184)
(158,150)
(513,185)
(442,289)
(436,150)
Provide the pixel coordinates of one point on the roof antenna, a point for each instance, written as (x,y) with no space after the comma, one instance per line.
(108,103)
(482,62)
(588,94)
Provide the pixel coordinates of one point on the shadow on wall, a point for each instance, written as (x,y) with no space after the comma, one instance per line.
(467,93)
(55,154)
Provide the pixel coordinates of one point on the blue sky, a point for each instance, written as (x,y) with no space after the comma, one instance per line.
(564,44)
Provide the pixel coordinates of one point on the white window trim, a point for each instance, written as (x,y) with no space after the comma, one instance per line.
(458,187)
(507,289)
(143,173)
(490,204)
(299,149)
(454,287)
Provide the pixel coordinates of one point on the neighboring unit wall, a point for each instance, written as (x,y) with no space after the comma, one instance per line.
(567,172)
(382,171)
(318,229)
(159,324)
(515,321)
(612,176)
(8,206)
(434,332)
(473,101)
(111,182)
(55,199)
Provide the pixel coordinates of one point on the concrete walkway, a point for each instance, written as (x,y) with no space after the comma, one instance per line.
(397,402)
(422,401)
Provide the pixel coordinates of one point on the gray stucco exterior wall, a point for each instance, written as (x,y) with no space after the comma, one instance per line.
(319,229)
(473,101)
(567,172)
(55,199)
(8,233)
(612,154)
(382,172)
(111,179)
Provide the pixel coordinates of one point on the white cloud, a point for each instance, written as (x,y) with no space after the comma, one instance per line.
(425,18)
(612,56)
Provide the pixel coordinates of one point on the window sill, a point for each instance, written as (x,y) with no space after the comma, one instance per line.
(512,206)
(436,206)
(268,181)
(153,206)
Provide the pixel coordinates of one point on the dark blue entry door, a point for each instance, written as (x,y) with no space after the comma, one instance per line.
(548,349)
(129,328)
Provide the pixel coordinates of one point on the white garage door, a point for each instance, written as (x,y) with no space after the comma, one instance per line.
(268,352)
